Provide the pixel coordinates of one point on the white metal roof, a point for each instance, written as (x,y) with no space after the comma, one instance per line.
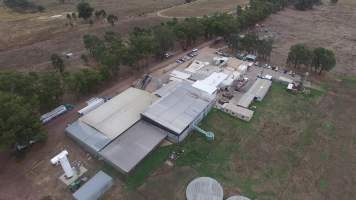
(91,105)
(179,74)
(121,112)
(178,109)
(211,83)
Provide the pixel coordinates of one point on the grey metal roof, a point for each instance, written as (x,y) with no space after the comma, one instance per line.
(126,151)
(168,88)
(88,137)
(178,109)
(245,100)
(94,188)
(239,110)
(260,88)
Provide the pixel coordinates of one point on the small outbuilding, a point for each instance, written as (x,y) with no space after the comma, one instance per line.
(94,188)
(238,111)
(260,88)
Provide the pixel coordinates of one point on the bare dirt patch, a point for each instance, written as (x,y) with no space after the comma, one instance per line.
(329,26)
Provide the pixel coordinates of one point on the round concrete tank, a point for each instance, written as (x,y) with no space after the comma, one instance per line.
(203,188)
(237,197)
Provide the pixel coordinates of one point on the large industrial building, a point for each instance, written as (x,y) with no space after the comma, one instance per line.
(179,110)
(114,132)
(124,130)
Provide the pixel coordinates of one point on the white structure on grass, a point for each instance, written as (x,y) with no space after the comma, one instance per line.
(63,160)
(237,197)
(204,188)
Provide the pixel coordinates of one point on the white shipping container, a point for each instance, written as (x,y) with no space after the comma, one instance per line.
(53,114)
(91,105)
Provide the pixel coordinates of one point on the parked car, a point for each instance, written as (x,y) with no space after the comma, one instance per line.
(241,56)
(195,53)
(179,61)
(186,58)
(195,50)
(168,55)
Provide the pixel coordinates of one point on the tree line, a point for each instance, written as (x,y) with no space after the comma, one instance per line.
(318,59)
(251,44)
(22,97)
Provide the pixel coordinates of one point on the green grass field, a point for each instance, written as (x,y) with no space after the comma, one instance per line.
(255,157)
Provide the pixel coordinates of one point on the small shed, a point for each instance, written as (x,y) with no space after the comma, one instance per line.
(204,188)
(95,187)
(260,88)
(246,100)
(238,111)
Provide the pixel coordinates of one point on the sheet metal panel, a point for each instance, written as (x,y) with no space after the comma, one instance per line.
(88,137)
(95,187)
(119,113)
(126,151)
(180,108)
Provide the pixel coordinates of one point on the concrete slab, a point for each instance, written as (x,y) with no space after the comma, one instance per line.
(69,181)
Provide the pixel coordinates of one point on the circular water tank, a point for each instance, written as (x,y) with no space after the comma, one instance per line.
(204,188)
(237,197)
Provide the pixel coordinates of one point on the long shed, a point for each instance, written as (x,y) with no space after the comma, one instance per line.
(94,188)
